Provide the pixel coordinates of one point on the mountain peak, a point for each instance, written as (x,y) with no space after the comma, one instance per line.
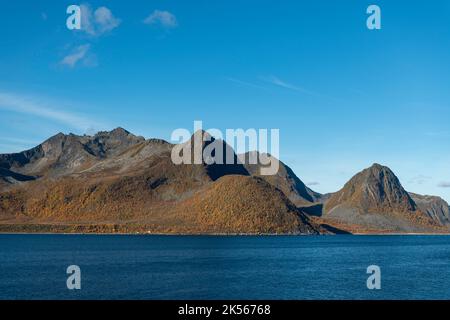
(377,166)
(213,153)
(375,189)
(379,172)
(119,130)
(203,135)
(57,137)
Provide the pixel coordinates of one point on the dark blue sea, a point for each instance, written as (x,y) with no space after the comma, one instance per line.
(224,267)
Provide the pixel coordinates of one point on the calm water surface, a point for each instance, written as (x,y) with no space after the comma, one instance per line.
(216,267)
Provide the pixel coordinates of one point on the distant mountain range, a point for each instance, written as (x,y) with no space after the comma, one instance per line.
(118,182)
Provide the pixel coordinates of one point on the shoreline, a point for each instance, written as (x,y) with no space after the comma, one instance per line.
(221,234)
(155,230)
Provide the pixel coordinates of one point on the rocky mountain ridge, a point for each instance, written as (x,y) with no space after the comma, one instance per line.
(118,182)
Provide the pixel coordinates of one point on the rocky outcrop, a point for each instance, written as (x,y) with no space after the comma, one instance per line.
(435,207)
(285,180)
(118,179)
(375,199)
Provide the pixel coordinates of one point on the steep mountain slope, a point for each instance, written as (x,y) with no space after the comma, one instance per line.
(140,189)
(241,204)
(65,154)
(217,157)
(10,177)
(117,182)
(285,180)
(435,207)
(373,190)
(375,199)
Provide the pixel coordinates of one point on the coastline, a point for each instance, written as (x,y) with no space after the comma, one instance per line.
(157,230)
(222,234)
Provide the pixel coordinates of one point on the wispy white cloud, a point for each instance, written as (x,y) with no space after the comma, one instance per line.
(245,83)
(283,84)
(42,109)
(313,183)
(98,22)
(163,18)
(79,54)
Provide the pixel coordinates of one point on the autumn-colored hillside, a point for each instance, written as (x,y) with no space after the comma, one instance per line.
(117,182)
(140,189)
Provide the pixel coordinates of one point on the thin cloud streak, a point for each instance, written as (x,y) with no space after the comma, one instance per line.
(280,83)
(28,106)
(245,83)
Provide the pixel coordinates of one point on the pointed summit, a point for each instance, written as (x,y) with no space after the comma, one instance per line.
(57,136)
(375,189)
(201,137)
(215,155)
(106,143)
(119,131)
(375,201)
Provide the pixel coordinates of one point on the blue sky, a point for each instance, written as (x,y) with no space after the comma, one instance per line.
(342,96)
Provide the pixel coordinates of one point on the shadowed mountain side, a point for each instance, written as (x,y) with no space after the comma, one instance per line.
(315,209)
(141,189)
(216,155)
(326,228)
(21,159)
(285,180)
(11,177)
(117,182)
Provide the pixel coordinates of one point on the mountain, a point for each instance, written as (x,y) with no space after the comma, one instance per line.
(117,182)
(374,199)
(285,180)
(373,190)
(243,204)
(435,207)
(8,176)
(64,154)
(212,154)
